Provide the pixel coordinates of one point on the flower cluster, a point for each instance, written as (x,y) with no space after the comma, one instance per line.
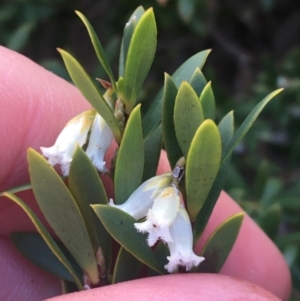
(87,129)
(158,199)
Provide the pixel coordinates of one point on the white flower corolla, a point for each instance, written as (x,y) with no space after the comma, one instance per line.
(181,248)
(100,139)
(161,216)
(88,128)
(75,132)
(143,197)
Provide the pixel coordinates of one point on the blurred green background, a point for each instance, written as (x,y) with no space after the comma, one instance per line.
(256,49)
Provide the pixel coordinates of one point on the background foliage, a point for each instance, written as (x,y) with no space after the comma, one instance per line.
(256,48)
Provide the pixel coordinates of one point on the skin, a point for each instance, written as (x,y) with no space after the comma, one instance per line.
(35,105)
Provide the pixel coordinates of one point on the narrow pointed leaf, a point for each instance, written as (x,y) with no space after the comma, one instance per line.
(61,212)
(139,58)
(220,244)
(98,49)
(246,125)
(89,90)
(128,31)
(198,81)
(188,116)
(207,101)
(184,73)
(152,148)
(121,227)
(270,220)
(202,165)
(226,131)
(127,267)
(35,249)
(86,187)
(130,159)
(262,175)
(172,147)
(46,236)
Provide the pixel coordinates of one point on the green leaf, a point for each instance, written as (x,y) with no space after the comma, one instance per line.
(35,249)
(198,81)
(121,227)
(46,236)
(87,188)
(226,131)
(127,267)
(202,165)
(186,9)
(61,212)
(152,148)
(128,31)
(246,125)
(184,73)
(209,204)
(188,116)
(261,178)
(89,90)
(271,190)
(130,159)
(207,101)
(98,49)
(18,39)
(139,58)
(270,220)
(220,243)
(169,136)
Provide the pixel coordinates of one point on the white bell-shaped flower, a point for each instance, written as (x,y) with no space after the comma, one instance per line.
(75,132)
(100,139)
(181,248)
(161,216)
(142,199)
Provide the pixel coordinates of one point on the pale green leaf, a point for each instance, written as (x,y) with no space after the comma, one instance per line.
(89,90)
(246,125)
(184,73)
(121,227)
(87,188)
(35,249)
(188,116)
(61,212)
(139,58)
(46,236)
(172,147)
(128,31)
(198,81)
(130,159)
(202,165)
(127,267)
(207,101)
(98,49)
(220,244)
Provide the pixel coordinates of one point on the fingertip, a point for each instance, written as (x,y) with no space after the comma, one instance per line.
(190,287)
(254,256)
